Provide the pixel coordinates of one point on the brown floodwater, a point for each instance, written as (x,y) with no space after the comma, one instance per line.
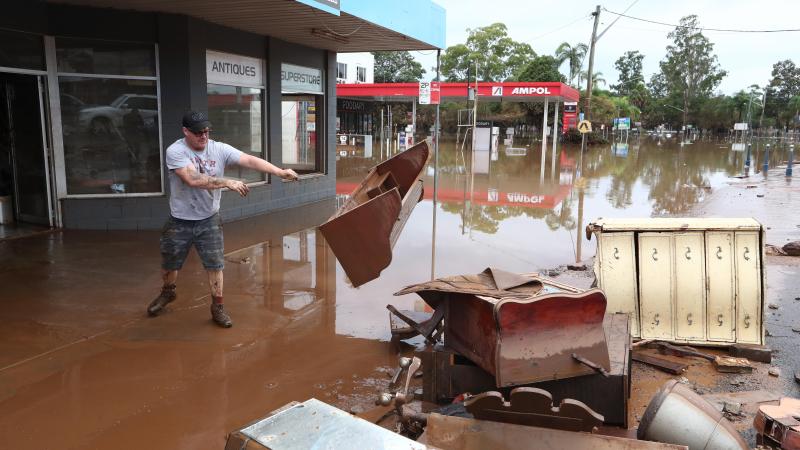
(81,366)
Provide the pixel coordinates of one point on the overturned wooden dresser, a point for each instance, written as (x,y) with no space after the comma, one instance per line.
(364,230)
(447,374)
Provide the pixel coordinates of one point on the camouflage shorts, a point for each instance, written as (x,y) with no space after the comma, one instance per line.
(179,235)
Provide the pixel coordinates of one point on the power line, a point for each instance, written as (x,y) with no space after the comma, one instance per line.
(702,28)
(562,27)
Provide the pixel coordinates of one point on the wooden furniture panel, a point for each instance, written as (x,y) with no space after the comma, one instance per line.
(617,257)
(719,275)
(655,285)
(748,288)
(690,286)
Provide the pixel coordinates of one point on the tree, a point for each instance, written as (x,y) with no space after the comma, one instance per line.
(784,85)
(541,68)
(498,56)
(690,68)
(629,67)
(574,55)
(397,67)
(596,78)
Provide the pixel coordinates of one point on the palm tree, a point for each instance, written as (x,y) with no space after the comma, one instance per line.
(574,55)
(596,78)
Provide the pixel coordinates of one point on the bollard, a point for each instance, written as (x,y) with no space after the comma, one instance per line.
(747,160)
(766,159)
(791,160)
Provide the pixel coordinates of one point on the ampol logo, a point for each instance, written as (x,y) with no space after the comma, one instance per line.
(530,91)
(517,197)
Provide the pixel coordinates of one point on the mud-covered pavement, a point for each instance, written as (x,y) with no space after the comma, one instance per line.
(81,366)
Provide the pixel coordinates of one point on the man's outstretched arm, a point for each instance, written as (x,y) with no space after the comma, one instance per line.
(252,162)
(195,179)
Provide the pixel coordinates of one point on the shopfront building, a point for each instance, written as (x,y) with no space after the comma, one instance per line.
(91,97)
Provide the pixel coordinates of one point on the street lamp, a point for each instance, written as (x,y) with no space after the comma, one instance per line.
(683,125)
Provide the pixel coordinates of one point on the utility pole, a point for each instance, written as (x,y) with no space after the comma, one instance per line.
(589,73)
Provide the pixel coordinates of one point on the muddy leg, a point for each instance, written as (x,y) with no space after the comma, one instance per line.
(218,313)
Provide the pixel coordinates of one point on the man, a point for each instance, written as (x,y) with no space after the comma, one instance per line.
(196,165)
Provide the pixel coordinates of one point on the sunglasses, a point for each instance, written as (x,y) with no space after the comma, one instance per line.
(201,133)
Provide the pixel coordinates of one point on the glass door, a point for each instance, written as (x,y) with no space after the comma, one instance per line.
(25,144)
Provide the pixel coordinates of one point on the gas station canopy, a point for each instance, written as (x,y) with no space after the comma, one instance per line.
(512,91)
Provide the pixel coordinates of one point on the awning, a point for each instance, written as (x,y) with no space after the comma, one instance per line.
(361,25)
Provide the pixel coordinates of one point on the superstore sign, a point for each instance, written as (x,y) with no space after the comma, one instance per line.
(301,79)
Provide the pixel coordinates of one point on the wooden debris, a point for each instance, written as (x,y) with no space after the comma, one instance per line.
(728,364)
(758,353)
(676,350)
(533,407)
(666,365)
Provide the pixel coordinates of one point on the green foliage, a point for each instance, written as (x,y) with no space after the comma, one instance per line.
(690,68)
(573,136)
(631,79)
(396,67)
(572,54)
(784,85)
(541,68)
(499,57)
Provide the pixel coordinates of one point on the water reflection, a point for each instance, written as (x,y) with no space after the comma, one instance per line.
(514,211)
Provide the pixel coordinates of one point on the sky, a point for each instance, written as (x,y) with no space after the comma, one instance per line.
(748,57)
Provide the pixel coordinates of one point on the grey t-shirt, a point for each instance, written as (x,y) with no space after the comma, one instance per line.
(190,203)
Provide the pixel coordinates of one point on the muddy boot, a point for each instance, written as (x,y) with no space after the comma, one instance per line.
(219,315)
(167,295)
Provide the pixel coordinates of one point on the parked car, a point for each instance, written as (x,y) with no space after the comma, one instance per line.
(104,119)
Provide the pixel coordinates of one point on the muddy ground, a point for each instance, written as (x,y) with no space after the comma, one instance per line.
(82,367)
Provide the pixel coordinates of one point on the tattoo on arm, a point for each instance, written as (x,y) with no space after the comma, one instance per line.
(207,182)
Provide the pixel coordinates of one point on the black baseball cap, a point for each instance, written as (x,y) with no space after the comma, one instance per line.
(196,121)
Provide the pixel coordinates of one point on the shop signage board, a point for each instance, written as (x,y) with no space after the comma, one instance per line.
(234,70)
(301,80)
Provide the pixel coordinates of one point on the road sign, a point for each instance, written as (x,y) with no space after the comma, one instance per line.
(622,123)
(497,91)
(585,126)
(424,93)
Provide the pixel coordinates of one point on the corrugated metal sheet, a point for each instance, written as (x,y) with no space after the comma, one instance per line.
(284,19)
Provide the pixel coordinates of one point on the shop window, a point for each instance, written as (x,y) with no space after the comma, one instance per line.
(302,118)
(85,56)
(111,139)
(341,71)
(109,117)
(21,50)
(236,116)
(299,125)
(361,74)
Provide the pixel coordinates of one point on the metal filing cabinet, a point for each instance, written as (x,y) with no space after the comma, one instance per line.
(684,280)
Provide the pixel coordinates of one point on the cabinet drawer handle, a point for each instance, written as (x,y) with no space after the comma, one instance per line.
(747,320)
(655,252)
(719,252)
(746,252)
(719,320)
(688,251)
(689,318)
(655,320)
(616,253)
